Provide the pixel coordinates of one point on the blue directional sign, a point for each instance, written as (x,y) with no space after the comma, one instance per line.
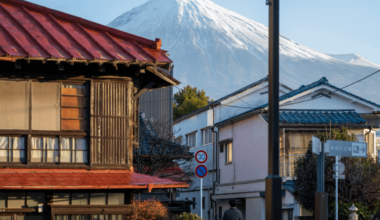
(347,148)
(201,171)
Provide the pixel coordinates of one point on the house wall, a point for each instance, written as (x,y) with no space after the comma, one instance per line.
(254,208)
(195,124)
(336,101)
(249,142)
(245,177)
(249,99)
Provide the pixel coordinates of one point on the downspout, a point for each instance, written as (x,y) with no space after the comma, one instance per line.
(365,138)
(215,165)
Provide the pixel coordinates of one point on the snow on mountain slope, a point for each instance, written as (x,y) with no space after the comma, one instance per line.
(220,51)
(354,59)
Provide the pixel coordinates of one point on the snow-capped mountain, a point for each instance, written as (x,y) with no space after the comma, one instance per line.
(355,59)
(220,51)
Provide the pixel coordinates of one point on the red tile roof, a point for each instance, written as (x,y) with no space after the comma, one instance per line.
(35,32)
(81,179)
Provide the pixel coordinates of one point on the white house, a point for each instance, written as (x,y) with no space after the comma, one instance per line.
(242,158)
(196,130)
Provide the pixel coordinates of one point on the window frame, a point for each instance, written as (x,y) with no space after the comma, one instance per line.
(195,139)
(59,150)
(70,199)
(11,149)
(227,154)
(210,136)
(287,154)
(29,133)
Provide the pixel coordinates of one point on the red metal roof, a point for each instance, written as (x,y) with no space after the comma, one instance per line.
(37,179)
(32,31)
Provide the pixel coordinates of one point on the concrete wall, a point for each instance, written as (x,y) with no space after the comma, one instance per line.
(253,208)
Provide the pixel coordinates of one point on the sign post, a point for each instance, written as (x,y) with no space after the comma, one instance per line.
(201,172)
(344,149)
(321,208)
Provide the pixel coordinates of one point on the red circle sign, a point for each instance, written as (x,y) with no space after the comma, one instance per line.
(201,171)
(201,156)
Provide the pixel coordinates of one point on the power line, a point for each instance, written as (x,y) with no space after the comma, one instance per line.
(335,89)
(233,106)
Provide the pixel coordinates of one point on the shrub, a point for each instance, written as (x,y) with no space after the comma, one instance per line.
(188,216)
(148,210)
(363,210)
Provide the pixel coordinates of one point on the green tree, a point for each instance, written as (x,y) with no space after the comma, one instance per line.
(187,100)
(361,186)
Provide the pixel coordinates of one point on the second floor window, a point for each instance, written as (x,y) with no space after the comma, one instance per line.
(43,106)
(206,136)
(44,114)
(229,153)
(73,150)
(12,149)
(48,150)
(191,140)
(45,149)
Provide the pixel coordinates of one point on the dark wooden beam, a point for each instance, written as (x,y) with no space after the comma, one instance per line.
(18,210)
(143,90)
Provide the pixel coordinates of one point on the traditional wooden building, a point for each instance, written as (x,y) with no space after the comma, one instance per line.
(69,111)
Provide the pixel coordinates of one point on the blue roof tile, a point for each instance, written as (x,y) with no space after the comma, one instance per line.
(296,116)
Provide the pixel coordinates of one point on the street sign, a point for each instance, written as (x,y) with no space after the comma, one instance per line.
(341,168)
(316,145)
(201,171)
(340,176)
(347,148)
(201,156)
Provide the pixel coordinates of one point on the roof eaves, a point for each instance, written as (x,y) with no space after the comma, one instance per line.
(239,117)
(217,102)
(210,105)
(245,88)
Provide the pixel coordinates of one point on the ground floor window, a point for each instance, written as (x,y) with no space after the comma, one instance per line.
(98,198)
(17,216)
(88,217)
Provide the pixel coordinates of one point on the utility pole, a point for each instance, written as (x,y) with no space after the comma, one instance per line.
(273,200)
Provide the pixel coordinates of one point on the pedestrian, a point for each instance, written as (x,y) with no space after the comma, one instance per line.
(232,213)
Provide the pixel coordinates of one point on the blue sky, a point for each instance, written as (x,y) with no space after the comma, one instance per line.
(329,26)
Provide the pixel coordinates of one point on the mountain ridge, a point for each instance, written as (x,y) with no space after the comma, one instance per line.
(220,51)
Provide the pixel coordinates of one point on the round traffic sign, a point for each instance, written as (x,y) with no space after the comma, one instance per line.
(341,168)
(201,171)
(201,156)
